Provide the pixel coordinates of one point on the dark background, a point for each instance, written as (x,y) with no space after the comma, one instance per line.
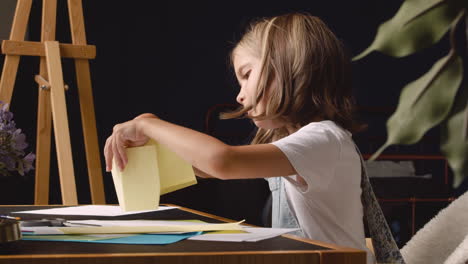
(171,58)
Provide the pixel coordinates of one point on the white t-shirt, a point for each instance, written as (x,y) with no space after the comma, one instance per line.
(328,208)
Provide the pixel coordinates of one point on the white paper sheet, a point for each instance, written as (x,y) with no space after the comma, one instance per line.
(96,210)
(253,234)
(134,222)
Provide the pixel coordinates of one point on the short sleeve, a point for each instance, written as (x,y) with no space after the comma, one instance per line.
(313,152)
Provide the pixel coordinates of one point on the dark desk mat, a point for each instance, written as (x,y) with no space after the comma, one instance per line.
(46,247)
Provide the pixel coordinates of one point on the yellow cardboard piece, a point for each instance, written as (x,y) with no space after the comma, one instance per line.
(174,172)
(137,186)
(152,170)
(149,229)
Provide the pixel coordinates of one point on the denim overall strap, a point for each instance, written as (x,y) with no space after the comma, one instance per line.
(385,248)
(282,216)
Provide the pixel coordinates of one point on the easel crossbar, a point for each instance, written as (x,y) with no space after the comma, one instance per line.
(32,48)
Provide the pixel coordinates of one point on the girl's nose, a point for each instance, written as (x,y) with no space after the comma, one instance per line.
(240,98)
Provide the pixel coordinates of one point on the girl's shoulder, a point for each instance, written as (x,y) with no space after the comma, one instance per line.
(326,126)
(315,135)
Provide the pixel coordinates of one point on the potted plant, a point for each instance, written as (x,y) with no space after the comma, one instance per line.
(440,96)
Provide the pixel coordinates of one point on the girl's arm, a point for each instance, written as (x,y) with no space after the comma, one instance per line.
(198,172)
(201,174)
(204,152)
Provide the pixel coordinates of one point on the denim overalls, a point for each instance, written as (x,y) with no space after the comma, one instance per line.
(281,214)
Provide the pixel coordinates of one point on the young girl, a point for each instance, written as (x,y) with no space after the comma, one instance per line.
(295,86)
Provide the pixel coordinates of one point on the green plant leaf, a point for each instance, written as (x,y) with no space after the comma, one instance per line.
(424,102)
(454,143)
(414,8)
(417,25)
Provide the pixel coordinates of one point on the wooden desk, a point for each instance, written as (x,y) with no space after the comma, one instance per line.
(282,249)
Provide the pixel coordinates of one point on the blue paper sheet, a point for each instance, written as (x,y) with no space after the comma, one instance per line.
(141,239)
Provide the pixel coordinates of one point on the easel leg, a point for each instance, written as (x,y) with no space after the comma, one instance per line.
(61,128)
(10,67)
(43,135)
(88,119)
(44,113)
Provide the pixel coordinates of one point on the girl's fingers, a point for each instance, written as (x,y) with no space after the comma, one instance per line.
(116,159)
(115,148)
(108,154)
(106,151)
(120,149)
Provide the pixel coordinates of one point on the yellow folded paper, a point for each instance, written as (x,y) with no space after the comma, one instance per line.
(149,229)
(152,170)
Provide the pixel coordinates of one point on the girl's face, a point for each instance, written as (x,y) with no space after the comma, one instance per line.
(247,68)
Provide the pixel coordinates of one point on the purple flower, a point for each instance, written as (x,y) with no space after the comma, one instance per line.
(19,141)
(12,146)
(28,162)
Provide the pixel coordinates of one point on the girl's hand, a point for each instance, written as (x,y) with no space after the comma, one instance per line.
(124,135)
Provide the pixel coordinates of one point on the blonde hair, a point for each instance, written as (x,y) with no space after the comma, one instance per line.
(309,67)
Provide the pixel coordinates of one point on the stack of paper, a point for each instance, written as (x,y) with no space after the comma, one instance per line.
(130,227)
(115,231)
(150,232)
(152,170)
(155,232)
(146,239)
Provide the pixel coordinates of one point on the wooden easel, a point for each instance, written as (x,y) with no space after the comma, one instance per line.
(52,96)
